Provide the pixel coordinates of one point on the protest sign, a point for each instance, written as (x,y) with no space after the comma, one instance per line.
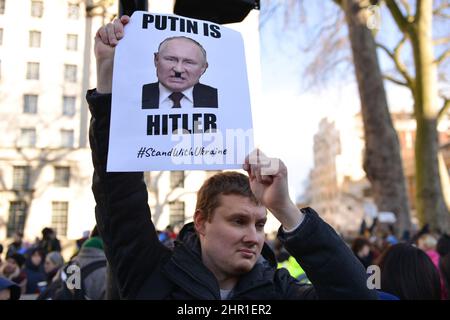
(180,97)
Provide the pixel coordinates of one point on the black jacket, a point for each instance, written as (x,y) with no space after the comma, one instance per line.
(146,269)
(204,96)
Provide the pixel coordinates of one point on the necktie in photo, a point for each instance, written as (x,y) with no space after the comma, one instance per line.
(176,98)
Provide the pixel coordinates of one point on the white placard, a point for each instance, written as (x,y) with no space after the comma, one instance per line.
(214,123)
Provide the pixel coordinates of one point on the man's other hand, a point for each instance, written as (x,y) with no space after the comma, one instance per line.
(269,183)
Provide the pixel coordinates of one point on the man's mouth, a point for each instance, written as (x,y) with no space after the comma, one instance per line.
(247,252)
(177,79)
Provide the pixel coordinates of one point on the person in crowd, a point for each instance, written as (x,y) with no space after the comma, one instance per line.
(49,242)
(1,253)
(17,245)
(408,273)
(361,247)
(53,262)
(12,269)
(34,268)
(92,252)
(9,290)
(444,268)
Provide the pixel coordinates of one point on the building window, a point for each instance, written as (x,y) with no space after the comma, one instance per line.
(34,39)
(62,176)
(67,138)
(16,218)
(30,102)
(2,6)
(70,72)
(37,9)
(21,177)
(176,179)
(72,42)
(33,70)
(27,137)
(60,210)
(73,11)
(1,36)
(68,106)
(176,212)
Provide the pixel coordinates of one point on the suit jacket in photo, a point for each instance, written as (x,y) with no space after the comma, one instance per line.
(204,96)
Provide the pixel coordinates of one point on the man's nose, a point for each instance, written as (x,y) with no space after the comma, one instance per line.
(178,67)
(251,235)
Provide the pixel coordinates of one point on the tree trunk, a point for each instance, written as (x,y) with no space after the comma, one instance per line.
(382,161)
(431,207)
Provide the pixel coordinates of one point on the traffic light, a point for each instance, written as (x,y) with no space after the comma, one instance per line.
(221,11)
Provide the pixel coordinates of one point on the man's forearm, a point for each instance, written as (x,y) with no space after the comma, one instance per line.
(104,76)
(289,216)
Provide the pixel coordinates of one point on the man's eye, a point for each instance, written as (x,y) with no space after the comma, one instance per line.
(260,226)
(238,221)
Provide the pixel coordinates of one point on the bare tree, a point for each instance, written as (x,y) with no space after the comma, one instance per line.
(382,160)
(422,81)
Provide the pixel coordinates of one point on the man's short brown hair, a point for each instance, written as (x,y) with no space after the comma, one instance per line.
(224,183)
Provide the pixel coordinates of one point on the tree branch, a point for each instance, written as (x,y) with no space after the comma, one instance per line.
(407,8)
(396,81)
(399,65)
(442,57)
(398,16)
(440,41)
(444,108)
(443,15)
(444,5)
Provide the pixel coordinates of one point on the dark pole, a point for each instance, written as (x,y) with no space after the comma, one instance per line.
(127,7)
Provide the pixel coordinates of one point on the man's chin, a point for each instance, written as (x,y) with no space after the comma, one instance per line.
(244,266)
(176,87)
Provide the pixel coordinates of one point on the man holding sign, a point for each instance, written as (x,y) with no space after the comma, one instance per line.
(179,62)
(222,254)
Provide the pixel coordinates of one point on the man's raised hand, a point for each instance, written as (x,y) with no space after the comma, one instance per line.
(106,39)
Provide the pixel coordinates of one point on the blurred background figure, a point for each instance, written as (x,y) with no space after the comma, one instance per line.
(427,242)
(17,245)
(443,249)
(8,289)
(408,273)
(49,242)
(92,262)
(53,262)
(444,268)
(34,269)
(79,242)
(12,270)
(361,247)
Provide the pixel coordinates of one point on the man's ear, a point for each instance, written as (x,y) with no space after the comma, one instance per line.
(205,67)
(199,221)
(155,58)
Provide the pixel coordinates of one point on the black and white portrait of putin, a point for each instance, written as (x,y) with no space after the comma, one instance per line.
(180,62)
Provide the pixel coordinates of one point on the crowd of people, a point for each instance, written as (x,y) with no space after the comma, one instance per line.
(416,268)
(411,268)
(36,271)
